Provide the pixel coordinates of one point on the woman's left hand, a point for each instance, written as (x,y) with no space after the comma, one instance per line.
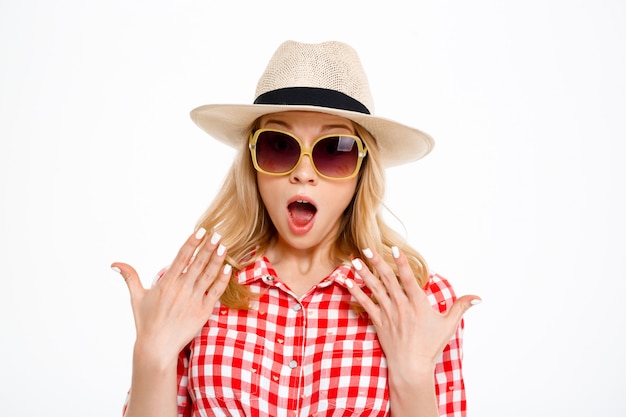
(411,333)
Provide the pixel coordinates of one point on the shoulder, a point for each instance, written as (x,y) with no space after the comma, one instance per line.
(440,292)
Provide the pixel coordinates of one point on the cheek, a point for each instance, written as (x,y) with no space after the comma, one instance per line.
(261,185)
(268,190)
(343,194)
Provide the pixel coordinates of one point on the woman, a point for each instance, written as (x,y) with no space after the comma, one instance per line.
(300,301)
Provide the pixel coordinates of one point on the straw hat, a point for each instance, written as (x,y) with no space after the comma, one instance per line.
(326,77)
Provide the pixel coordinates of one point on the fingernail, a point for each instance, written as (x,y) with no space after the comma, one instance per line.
(349,283)
(357,264)
(395,252)
(200,233)
(476,301)
(215,238)
(220,250)
(116,269)
(367,252)
(227,269)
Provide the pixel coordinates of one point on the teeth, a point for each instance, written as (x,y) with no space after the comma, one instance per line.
(307,203)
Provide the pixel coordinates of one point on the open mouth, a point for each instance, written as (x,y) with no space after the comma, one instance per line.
(301,212)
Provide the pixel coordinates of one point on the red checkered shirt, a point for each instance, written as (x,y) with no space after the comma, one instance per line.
(313,356)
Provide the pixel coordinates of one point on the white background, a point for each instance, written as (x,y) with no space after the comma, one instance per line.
(521,202)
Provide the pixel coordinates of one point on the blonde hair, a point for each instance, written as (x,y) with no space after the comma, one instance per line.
(238,213)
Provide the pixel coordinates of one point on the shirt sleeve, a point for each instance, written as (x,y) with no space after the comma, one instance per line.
(449,385)
(182,398)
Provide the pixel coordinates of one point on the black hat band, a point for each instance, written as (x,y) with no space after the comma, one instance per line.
(311,96)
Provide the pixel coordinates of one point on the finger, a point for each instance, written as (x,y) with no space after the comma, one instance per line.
(219,286)
(212,269)
(380,308)
(407,276)
(204,253)
(130,277)
(207,261)
(373,283)
(392,288)
(461,305)
(185,254)
(364,300)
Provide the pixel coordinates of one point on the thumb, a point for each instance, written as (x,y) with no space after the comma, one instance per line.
(130,276)
(462,304)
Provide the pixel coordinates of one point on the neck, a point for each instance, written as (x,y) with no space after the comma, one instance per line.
(300,269)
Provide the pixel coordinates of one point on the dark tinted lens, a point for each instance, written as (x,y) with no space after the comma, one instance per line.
(276,152)
(336,156)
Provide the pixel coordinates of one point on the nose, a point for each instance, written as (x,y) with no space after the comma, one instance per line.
(304,172)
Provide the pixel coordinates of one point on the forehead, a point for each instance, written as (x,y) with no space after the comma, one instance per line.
(306,118)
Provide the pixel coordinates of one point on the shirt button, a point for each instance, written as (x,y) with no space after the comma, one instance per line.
(293,364)
(297,307)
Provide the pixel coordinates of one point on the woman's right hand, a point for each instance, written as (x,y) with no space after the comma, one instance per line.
(170,313)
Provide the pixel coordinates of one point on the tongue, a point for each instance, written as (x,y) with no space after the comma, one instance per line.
(301,214)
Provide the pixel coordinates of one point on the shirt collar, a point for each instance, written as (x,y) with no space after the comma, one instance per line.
(261,269)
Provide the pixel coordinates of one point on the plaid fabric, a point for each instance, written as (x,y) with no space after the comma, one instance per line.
(310,357)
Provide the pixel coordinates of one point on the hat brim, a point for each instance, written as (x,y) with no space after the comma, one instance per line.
(398,144)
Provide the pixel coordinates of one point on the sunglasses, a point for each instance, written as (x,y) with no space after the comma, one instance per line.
(276,152)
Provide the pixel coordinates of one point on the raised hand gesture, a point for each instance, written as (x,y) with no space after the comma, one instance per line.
(411,333)
(168,315)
